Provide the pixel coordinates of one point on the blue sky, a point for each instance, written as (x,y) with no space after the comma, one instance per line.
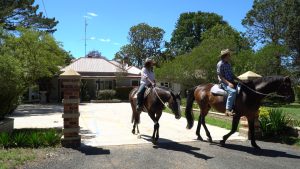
(110,20)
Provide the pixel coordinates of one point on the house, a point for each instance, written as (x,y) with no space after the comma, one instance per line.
(100,74)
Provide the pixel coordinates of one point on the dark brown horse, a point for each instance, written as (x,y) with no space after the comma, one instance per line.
(154,103)
(247,102)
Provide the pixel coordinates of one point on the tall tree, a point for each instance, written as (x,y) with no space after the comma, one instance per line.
(144,41)
(39,54)
(188,30)
(24,59)
(23,13)
(277,22)
(95,54)
(199,65)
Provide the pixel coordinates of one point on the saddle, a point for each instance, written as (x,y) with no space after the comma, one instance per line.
(218,90)
(147,92)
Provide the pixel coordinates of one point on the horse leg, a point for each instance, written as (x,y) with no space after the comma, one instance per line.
(157,125)
(133,129)
(152,116)
(157,132)
(198,128)
(252,133)
(206,130)
(235,123)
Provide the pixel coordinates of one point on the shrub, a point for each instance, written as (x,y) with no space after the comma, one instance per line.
(273,122)
(19,139)
(297,93)
(106,94)
(122,93)
(4,140)
(11,84)
(51,138)
(30,138)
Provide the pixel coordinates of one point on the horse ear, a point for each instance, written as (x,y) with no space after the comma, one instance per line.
(179,93)
(287,79)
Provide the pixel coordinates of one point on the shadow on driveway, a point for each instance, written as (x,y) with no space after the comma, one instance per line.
(175,146)
(37,110)
(262,152)
(89,150)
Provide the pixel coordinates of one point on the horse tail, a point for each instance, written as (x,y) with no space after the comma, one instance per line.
(189,106)
(135,117)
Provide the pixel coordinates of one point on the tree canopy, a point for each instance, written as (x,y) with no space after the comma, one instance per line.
(144,41)
(23,13)
(189,29)
(24,59)
(277,22)
(199,65)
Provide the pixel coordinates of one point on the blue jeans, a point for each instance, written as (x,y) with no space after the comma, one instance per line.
(140,95)
(231,96)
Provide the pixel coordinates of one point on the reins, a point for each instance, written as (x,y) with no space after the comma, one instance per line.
(160,98)
(259,93)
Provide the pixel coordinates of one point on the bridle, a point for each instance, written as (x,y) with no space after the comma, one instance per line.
(274,94)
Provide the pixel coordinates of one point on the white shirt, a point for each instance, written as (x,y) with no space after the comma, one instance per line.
(147,73)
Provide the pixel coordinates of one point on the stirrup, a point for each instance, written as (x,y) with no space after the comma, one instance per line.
(139,108)
(229,113)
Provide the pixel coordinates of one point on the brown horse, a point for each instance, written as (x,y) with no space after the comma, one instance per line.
(154,103)
(247,102)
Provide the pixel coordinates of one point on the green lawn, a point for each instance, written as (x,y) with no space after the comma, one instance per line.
(12,158)
(292,110)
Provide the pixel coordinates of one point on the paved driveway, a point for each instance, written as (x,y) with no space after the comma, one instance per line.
(110,124)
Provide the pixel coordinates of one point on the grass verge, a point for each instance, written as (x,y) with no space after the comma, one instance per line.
(12,158)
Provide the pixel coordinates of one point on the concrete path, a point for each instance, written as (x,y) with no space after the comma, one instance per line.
(110,124)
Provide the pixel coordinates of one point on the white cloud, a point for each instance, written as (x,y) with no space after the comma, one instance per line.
(104,40)
(92,14)
(92,38)
(116,43)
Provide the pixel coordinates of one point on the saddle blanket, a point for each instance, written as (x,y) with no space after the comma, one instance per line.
(217,90)
(148,89)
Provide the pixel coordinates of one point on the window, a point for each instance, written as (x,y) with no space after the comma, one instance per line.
(105,84)
(135,82)
(165,84)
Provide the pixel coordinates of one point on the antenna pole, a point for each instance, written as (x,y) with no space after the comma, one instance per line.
(85,25)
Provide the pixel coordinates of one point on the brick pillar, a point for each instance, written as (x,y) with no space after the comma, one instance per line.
(71,87)
(244,130)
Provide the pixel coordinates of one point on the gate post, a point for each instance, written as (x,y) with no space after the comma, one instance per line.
(71,88)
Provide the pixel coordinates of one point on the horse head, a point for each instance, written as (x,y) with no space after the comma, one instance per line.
(174,104)
(285,89)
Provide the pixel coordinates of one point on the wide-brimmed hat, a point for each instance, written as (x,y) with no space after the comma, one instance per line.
(224,52)
(149,61)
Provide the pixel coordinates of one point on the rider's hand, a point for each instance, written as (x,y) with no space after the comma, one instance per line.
(153,84)
(231,85)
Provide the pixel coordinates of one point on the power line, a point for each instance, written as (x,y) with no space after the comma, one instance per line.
(45,8)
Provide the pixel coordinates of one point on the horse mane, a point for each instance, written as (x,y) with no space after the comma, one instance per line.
(268,79)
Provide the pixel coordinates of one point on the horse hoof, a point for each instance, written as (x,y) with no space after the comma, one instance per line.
(154,142)
(256,147)
(222,143)
(139,136)
(209,140)
(200,138)
(133,132)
